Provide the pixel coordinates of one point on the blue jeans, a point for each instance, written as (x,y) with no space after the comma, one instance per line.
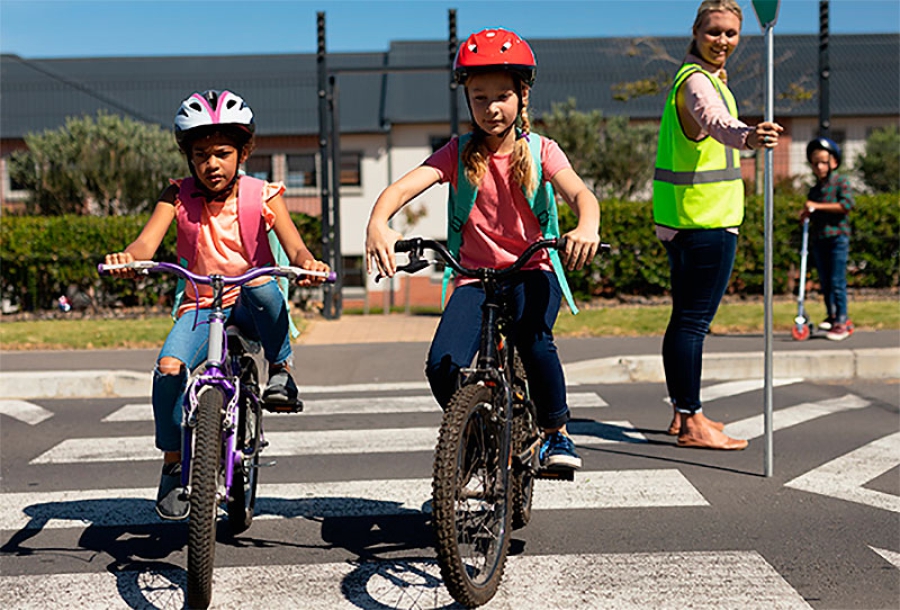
(831,260)
(260,312)
(700,262)
(535,298)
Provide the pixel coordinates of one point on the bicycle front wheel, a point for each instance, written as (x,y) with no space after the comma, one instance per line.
(471,497)
(204,505)
(525,436)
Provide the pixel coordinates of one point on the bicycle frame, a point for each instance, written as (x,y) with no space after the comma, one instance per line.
(219,371)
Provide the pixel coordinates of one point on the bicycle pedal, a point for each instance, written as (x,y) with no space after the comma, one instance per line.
(558,474)
(283,407)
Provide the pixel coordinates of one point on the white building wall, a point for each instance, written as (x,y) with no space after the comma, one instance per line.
(855,131)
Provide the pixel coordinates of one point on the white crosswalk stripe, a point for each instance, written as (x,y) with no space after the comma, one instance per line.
(845,476)
(117,507)
(355,406)
(24,411)
(754,427)
(612,581)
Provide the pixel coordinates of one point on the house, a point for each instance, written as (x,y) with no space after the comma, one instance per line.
(389,122)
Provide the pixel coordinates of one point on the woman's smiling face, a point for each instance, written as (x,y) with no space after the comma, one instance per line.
(717,36)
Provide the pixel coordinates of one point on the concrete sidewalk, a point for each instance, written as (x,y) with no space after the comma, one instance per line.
(379,348)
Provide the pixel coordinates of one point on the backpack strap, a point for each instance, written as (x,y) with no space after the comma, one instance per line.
(263,247)
(542,203)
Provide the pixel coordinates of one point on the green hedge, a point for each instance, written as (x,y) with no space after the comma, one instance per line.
(637,263)
(43,257)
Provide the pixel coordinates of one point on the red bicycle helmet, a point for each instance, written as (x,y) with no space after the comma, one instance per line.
(495,49)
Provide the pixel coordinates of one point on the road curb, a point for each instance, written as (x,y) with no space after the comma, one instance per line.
(872,363)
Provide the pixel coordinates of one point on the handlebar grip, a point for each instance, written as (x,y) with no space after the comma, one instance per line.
(405,245)
(101,269)
(332,277)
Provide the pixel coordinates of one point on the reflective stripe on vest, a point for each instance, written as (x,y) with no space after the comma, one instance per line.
(542,203)
(696,184)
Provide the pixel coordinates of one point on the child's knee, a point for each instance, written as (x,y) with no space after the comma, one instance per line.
(169,366)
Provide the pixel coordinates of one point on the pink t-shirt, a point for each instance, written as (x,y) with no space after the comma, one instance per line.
(219,245)
(501,224)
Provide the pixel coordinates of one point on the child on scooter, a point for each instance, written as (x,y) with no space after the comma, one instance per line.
(828,204)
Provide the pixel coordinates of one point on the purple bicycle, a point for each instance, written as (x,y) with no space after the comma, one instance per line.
(222,434)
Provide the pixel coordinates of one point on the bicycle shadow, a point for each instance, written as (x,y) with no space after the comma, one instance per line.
(394,564)
(138,552)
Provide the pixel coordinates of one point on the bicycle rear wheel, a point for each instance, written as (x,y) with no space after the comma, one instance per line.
(204,485)
(471,498)
(241,504)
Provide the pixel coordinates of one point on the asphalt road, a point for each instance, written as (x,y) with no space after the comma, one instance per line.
(343,518)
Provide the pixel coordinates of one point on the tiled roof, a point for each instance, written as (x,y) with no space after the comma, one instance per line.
(39,94)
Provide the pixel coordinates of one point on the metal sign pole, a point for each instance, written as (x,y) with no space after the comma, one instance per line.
(767,13)
(769,214)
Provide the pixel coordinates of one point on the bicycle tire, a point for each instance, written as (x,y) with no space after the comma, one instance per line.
(242,500)
(470,502)
(205,468)
(524,433)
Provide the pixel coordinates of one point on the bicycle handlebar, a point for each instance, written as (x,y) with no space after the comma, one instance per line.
(147,267)
(415,246)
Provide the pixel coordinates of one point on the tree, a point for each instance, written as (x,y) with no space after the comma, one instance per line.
(880,164)
(614,157)
(108,166)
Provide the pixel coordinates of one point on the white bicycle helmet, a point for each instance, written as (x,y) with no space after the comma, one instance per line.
(210,109)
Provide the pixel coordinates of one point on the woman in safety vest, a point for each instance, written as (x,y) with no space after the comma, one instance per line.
(698,205)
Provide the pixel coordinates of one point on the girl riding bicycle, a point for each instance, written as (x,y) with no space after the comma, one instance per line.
(494,165)
(223,220)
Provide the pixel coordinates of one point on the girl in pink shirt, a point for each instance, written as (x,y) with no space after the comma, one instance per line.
(497,69)
(215,209)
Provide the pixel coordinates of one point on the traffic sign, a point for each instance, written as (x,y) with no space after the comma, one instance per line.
(766,12)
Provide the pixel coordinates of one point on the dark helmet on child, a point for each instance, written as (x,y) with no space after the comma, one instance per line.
(204,113)
(495,49)
(825,144)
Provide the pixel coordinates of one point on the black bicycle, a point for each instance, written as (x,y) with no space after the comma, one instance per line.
(487,454)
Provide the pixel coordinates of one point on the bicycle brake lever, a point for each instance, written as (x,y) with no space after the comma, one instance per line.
(413,266)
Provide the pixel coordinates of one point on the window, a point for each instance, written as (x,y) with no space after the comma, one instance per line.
(259,166)
(438,141)
(301,171)
(351,173)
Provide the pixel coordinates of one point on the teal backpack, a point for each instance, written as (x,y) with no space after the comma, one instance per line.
(542,203)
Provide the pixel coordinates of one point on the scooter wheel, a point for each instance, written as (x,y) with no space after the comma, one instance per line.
(800,332)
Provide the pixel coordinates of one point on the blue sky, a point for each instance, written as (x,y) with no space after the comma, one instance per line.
(72,28)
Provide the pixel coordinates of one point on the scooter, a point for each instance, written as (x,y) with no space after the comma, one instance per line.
(802,326)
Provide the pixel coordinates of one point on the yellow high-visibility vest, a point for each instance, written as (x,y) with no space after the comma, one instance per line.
(696,185)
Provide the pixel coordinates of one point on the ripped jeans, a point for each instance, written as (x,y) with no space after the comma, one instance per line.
(261,314)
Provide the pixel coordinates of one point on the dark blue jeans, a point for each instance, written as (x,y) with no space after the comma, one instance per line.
(700,262)
(831,261)
(535,298)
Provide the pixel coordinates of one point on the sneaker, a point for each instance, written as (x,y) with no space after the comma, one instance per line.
(281,391)
(839,332)
(558,451)
(171,501)
(826,324)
